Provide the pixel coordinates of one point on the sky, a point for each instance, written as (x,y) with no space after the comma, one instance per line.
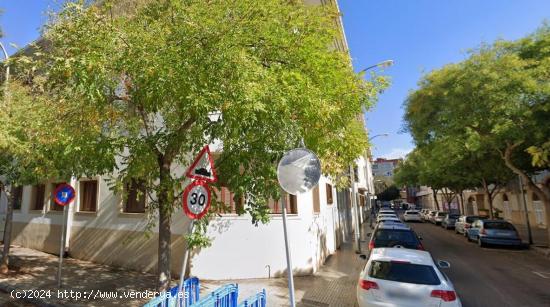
(419,35)
(422,35)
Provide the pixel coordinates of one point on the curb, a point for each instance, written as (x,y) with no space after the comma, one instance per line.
(35,301)
(545,252)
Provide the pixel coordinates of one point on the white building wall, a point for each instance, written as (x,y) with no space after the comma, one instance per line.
(241,250)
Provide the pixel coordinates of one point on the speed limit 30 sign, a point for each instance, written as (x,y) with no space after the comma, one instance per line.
(196,199)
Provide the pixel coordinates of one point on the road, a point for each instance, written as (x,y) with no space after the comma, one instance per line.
(495,276)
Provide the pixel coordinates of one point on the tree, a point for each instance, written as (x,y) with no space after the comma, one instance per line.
(496,102)
(390,193)
(145,80)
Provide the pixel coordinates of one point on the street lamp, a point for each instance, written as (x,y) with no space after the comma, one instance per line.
(383,64)
(383,134)
(7,66)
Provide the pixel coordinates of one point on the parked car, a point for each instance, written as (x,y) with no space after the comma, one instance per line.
(424,214)
(449,221)
(430,216)
(438,217)
(404,277)
(464,222)
(386,211)
(387,218)
(411,215)
(391,235)
(496,232)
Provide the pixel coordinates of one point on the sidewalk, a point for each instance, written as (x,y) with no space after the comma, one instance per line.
(333,285)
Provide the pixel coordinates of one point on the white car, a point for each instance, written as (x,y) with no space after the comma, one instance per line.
(386,211)
(404,277)
(412,215)
(387,218)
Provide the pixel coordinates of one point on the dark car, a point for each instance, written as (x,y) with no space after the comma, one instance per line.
(449,221)
(394,235)
(497,232)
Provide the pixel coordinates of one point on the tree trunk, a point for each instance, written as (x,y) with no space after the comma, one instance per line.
(165,234)
(461,207)
(489,197)
(7,232)
(542,192)
(434,191)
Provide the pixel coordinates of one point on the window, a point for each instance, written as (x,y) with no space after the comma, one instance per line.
(17,197)
(498,225)
(316,199)
(227,198)
(53,205)
(291,205)
(392,237)
(356,173)
(404,272)
(135,198)
(329,194)
(38,195)
(88,195)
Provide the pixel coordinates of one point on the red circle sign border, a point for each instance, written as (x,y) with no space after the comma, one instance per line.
(186,194)
(59,187)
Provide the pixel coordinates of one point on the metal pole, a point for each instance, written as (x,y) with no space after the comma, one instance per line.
(356,209)
(528,224)
(184,267)
(288,257)
(62,247)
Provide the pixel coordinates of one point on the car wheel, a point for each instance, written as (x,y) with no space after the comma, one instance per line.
(480,243)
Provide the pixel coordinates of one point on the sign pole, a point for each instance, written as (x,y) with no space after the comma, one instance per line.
(288,257)
(62,247)
(184,267)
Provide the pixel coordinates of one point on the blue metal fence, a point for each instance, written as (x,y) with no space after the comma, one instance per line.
(225,296)
(170,298)
(258,300)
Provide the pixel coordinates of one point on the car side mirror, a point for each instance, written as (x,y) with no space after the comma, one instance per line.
(420,238)
(443,264)
(363,256)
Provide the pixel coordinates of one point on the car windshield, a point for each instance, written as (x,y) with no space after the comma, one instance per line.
(441,214)
(393,237)
(498,225)
(411,212)
(453,216)
(404,272)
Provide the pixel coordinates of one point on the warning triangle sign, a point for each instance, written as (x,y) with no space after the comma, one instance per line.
(203,167)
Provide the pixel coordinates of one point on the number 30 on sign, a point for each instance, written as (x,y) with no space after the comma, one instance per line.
(196,199)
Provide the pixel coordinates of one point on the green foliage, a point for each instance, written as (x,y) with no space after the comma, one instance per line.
(134,85)
(391,193)
(464,116)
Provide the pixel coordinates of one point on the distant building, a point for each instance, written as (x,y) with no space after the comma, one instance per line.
(384,167)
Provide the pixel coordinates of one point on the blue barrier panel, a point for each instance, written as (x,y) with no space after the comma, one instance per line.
(225,296)
(258,300)
(191,288)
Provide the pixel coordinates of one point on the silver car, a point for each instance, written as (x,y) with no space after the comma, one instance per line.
(465,222)
(438,217)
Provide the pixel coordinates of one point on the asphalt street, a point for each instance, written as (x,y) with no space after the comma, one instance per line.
(494,276)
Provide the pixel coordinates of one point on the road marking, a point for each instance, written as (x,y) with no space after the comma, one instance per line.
(545,275)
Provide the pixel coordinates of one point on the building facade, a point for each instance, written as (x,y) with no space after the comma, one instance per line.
(105,228)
